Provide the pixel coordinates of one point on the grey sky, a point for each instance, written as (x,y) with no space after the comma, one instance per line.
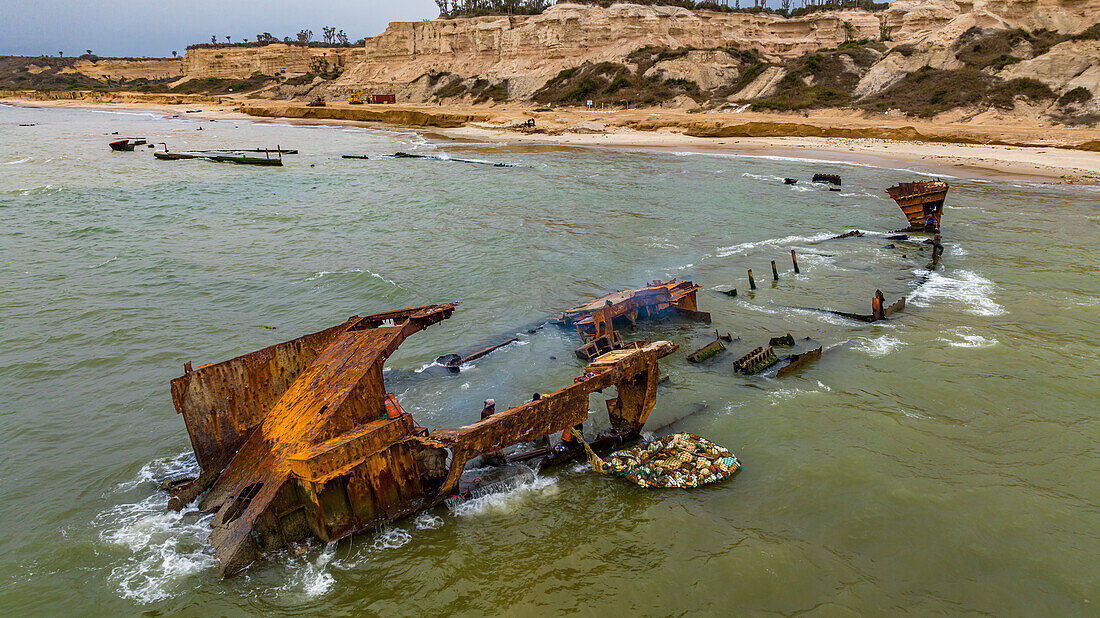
(156,27)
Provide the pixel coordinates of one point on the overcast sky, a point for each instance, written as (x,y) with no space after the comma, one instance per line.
(156,27)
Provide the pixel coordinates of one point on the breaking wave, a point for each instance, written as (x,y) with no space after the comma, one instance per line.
(785,394)
(964,337)
(427,521)
(324,273)
(878,346)
(158,470)
(771,242)
(968,288)
(40,190)
(762,177)
(163,551)
(506,501)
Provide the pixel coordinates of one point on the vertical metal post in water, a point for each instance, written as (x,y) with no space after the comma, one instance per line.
(752,282)
(775,273)
(794,260)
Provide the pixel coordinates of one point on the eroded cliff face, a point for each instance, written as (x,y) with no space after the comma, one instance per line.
(278,58)
(528,50)
(126,68)
(511,57)
(941,22)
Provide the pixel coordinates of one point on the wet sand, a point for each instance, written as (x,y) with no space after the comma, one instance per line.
(1008,148)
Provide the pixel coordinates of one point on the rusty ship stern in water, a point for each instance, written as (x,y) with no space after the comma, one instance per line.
(301,440)
(920,201)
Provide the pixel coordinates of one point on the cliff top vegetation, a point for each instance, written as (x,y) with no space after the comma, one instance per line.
(451,9)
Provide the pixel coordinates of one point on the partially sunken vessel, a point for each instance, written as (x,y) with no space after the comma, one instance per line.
(300,440)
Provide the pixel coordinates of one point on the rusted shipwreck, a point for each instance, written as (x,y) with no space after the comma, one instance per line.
(594,319)
(301,439)
(920,201)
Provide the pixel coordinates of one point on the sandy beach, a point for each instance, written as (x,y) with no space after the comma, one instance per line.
(990,148)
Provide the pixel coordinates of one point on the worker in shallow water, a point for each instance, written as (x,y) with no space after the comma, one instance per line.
(489,409)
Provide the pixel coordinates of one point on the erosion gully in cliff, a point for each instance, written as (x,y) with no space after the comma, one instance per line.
(301,440)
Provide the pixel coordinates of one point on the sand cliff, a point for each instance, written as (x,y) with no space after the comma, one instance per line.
(232,62)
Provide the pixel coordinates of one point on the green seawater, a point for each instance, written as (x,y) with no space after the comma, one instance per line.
(941,462)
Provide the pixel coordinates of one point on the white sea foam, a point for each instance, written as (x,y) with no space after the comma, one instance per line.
(507,501)
(427,521)
(771,242)
(968,288)
(965,337)
(661,243)
(108,261)
(324,273)
(16,162)
(163,549)
(877,346)
(390,538)
(182,465)
(784,394)
(157,115)
(825,316)
(768,177)
(310,576)
(427,366)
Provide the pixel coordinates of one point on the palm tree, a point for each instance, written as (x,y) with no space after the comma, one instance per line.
(174,53)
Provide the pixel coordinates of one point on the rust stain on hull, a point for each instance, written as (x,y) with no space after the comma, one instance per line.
(301,440)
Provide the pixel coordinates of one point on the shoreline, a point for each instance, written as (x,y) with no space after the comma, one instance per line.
(1054,163)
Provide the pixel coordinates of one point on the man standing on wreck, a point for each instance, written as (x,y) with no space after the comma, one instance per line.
(494,458)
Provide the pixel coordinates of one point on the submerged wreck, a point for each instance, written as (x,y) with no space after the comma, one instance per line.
(920,201)
(301,439)
(225,156)
(656,298)
(594,319)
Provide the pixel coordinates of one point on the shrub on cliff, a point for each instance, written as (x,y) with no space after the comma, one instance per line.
(927,92)
(823,79)
(979,49)
(609,83)
(1079,94)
